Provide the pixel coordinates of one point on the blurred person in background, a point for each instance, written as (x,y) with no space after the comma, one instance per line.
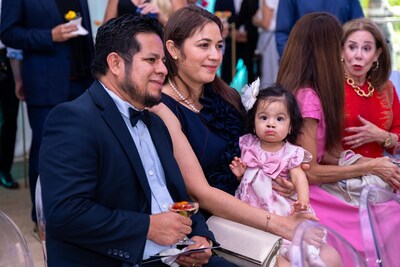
(265,20)
(246,36)
(160,9)
(8,115)
(291,11)
(57,58)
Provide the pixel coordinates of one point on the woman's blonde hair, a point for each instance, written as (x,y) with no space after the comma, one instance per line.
(379,74)
(165,6)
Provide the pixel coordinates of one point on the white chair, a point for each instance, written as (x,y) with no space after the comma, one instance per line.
(380,220)
(14,251)
(309,232)
(41,221)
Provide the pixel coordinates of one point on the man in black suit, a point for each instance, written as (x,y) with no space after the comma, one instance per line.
(107,166)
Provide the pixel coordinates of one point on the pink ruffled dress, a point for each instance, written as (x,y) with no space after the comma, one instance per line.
(256,185)
(262,169)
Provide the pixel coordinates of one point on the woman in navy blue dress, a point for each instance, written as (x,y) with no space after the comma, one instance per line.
(213,134)
(205,119)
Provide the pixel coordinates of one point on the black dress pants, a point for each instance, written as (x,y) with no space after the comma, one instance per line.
(8,115)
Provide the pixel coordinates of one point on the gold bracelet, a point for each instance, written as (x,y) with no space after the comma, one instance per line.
(268,219)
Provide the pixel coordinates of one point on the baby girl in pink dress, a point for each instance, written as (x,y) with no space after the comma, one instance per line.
(273,122)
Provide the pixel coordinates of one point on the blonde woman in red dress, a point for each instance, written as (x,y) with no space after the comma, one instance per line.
(372,110)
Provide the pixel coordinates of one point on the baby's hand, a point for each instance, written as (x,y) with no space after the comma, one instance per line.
(299,206)
(237,167)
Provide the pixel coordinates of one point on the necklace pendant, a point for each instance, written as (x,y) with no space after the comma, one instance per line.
(358,90)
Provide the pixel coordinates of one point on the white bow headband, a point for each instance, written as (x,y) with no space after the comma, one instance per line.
(250,93)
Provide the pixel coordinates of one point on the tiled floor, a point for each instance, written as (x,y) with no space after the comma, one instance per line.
(17,205)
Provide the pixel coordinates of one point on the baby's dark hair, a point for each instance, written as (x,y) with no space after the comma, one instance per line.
(277,92)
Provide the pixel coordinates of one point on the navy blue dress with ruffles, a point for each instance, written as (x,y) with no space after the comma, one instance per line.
(214,136)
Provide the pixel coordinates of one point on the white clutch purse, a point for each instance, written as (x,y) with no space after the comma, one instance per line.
(243,245)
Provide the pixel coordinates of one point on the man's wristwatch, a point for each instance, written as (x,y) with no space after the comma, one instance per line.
(388,141)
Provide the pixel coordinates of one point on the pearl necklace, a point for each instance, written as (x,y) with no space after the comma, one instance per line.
(358,90)
(192,107)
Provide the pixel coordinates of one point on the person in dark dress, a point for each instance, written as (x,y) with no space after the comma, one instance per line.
(247,37)
(205,118)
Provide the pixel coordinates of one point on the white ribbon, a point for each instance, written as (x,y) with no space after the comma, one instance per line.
(250,93)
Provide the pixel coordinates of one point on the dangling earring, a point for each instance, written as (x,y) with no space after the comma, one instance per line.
(376,67)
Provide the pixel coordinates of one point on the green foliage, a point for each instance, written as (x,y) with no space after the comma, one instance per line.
(394,2)
(364,4)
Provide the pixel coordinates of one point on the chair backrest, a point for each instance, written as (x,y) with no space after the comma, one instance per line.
(303,242)
(14,250)
(40,217)
(380,220)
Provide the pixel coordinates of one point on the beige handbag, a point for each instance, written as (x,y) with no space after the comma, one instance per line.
(349,190)
(244,245)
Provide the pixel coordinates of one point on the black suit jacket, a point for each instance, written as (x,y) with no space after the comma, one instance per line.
(96,196)
(247,10)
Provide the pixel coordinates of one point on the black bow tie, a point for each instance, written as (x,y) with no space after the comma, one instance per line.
(135,115)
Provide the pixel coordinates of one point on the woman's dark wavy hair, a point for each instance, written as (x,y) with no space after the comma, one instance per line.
(277,93)
(184,23)
(312,59)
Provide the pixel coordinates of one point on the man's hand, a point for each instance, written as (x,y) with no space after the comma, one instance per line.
(241,37)
(167,228)
(19,90)
(196,258)
(225,30)
(63,32)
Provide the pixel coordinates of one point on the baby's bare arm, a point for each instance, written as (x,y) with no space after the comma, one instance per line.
(300,182)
